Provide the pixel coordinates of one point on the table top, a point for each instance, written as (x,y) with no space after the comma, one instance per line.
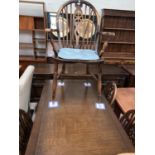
(125,98)
(76,127)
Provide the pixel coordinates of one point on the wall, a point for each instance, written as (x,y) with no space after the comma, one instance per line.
(53,5)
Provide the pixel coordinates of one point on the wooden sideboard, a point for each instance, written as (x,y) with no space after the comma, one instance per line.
(121,47)
(131,78)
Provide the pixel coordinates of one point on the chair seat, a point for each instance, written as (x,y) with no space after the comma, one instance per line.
(78,54)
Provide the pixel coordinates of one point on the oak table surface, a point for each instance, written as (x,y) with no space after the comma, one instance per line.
(125,98)
(76,127)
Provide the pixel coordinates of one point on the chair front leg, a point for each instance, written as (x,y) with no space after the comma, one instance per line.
(99,80)
(54,84)
(87,69)
(63,68)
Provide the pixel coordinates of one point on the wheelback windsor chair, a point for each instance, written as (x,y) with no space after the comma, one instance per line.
(128,123)
(78,25)
(110,91)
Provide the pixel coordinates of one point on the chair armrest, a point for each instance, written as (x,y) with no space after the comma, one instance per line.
(103,48)
(51,30)
(107,33)
(48,30)
(106,42)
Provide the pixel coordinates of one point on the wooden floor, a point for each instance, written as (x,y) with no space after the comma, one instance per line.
(76,127)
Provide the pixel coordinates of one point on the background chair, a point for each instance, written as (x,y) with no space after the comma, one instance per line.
(110,91)
(128,123)
(25,83)
(78,25)
(25,126)
(131,133)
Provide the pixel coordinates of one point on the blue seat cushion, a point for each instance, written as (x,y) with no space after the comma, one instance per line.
(78,54)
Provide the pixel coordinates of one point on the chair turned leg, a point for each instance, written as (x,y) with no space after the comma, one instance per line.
(99,86)
(63,68)
(54,84)
(100,81)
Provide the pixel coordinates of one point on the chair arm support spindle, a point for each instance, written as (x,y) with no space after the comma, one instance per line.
(106,42)
(105,45)
(107,33)
(48,30)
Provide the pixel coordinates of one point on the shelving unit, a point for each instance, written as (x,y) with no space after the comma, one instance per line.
(33,25)
(121,48)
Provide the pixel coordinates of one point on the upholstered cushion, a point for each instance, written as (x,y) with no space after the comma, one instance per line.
(25,82)
(78,54)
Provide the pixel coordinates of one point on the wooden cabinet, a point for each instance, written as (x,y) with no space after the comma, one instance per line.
(32,28)
(26,23)
(121,47)
(131,78)
(112,72)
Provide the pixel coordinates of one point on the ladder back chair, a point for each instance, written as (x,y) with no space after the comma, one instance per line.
(110,91)
(128,123)
(78,25)
(25,126)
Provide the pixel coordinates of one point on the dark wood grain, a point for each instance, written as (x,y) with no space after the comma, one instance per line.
(76,127)
(25,126)
(110,91)
(128,123)
(131,70)
(45,71)
(109,72)
(121,48)
(120,13)
(28,60)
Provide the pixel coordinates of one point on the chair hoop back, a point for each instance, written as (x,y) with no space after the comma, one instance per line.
(110,92)
(77,23)
(128,123)
(128,119)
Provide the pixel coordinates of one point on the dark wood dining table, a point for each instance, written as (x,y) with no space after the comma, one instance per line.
(75,126)
(125,100)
